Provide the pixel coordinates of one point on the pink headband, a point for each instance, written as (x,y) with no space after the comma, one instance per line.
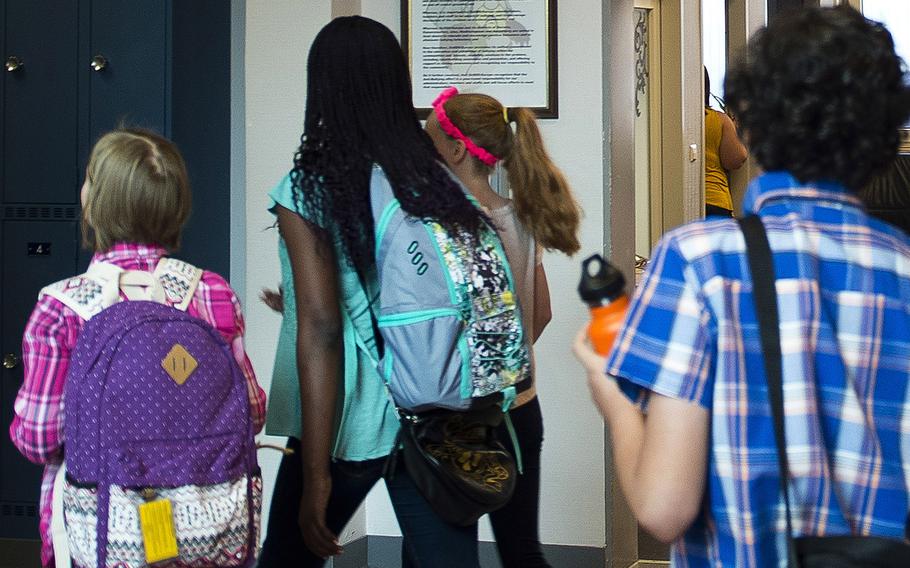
(449,128)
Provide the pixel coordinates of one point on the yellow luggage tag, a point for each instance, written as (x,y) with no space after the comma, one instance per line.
(157,521)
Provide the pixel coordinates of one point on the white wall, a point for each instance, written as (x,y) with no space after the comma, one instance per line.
(896,17)
(278,34)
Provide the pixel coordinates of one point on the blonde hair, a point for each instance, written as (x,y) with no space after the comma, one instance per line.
(138,191)
(543,200)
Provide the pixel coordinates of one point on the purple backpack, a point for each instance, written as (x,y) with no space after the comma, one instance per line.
(156,409)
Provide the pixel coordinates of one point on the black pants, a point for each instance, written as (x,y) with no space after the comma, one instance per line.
(429,541)
(516,525)
(283,545)
(715,211)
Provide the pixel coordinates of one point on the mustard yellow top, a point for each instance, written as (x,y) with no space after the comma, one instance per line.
(717,187)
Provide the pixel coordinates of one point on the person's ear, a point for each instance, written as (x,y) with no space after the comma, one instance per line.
(459,152)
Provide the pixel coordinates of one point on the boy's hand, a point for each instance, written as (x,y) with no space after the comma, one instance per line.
(594,364)
(604,390)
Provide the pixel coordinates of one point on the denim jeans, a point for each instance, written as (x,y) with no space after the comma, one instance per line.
(429,542)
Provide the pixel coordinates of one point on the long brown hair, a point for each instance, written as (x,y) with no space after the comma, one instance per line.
(543,200)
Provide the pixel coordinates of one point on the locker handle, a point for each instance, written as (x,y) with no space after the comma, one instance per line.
(98,63)
(14,64)
(10,361)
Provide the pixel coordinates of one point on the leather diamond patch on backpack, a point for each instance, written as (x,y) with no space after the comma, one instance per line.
(179,364)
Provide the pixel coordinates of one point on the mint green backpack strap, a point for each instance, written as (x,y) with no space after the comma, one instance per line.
(508,397)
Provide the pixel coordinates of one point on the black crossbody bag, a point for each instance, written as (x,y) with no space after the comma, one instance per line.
(807,551)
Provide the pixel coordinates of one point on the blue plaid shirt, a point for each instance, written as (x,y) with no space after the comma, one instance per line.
(843,285)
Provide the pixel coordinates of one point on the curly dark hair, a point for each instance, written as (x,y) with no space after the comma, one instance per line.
(359,112)
(821,94)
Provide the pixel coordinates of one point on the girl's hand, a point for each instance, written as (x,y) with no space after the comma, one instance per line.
(314,501)
(273,299)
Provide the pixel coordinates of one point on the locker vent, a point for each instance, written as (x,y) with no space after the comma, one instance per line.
(40,212)
(10,509)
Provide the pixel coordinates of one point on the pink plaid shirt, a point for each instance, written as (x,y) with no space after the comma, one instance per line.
(50,336)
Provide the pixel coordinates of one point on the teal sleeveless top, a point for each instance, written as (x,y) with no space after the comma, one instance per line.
(366,424)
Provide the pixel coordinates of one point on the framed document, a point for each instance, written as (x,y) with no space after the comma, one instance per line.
(506,49)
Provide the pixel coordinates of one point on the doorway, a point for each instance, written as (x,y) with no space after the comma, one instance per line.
(648,152)
(667,126)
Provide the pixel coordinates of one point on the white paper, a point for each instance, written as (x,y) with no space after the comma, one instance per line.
(498,48)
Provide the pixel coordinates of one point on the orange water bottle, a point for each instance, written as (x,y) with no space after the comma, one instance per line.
(602,287)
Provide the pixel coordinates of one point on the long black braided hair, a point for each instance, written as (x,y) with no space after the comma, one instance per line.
(359,111)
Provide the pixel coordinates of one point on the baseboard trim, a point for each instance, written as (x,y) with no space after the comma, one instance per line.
(365,552)
(385,552)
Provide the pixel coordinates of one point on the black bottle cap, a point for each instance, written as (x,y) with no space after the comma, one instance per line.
(601,282)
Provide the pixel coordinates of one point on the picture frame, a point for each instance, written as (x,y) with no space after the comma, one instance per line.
(904,146)
(503,49)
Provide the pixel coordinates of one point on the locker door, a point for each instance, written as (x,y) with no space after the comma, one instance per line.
(39,127)
(34,254)
(200,118)
(129,65)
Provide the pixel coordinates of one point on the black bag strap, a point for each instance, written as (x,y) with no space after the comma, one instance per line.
(764,294)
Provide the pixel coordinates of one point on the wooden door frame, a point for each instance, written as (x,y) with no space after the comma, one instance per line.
(682,177)
(621,530)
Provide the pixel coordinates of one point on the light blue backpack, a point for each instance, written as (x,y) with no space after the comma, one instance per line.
(448,312)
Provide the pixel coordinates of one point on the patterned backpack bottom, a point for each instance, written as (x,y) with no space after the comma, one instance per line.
(211,523)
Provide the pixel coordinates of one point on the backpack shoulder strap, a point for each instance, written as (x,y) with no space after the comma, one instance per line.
(179,280)
(89,293)
(382,199)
